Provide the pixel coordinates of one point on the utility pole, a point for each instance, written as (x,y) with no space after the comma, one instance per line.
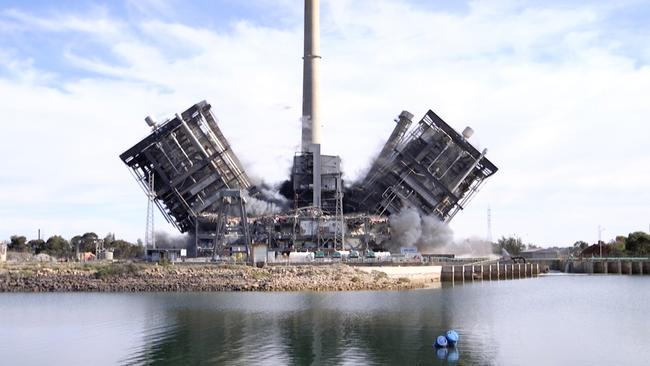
(489,224)
(600,242)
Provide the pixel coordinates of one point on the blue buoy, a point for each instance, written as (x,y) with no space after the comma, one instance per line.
(441,341)
(452,337)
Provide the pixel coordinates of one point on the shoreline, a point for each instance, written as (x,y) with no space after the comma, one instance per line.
(151,277)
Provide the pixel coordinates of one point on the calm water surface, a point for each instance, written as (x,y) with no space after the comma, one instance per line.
(552,320)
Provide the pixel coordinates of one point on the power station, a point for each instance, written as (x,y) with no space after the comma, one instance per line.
(191,173)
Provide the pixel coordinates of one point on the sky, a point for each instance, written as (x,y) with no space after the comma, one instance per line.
(557,91)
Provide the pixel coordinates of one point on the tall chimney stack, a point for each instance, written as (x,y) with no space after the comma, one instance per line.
(310,77)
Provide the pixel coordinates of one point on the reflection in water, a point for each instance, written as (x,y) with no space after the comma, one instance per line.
(545,321)
(306,328)
(442,353)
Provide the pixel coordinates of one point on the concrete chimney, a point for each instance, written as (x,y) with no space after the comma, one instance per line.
(310,77)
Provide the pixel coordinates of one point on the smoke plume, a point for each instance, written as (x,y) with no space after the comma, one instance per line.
(427,233)
(166,240)
(258,207)
(435,235)
(405,228)
(432,236)
(268,202)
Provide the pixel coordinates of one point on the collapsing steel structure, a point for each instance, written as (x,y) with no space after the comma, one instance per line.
(188,169)
(432,168)
(185,163)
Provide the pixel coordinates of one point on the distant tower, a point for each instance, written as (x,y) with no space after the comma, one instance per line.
(489,224)
(149,236)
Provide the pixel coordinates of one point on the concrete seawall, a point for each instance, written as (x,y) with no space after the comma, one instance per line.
(416,274)
(489,272)
(622,266)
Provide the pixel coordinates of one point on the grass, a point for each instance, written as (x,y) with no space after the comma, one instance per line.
(258,275)
(403,280)
(164,262)
(115,270)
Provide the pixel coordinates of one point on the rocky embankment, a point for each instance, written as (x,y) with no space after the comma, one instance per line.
(139,277)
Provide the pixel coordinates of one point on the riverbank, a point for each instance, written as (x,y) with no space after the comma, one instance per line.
(147,277)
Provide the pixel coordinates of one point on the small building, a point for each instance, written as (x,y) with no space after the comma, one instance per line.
(595,251)
(260,254)
(87,256)
(169,254)
(105,255)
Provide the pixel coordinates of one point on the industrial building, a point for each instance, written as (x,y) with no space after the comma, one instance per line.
(188,169)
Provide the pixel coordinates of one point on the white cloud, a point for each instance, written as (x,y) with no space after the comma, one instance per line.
(561,111)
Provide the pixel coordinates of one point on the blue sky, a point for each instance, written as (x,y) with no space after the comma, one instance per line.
(557,92)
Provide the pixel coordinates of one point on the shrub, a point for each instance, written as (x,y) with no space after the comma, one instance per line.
(115,270)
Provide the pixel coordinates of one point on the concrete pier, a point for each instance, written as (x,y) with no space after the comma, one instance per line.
(486,269)
(488,272)
(637,268)
(459,273)
(626,268)
(468,275)
(447,274)
(494,271)
(619,266)
(477,272)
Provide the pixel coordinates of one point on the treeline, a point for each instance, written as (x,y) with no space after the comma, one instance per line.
(634,244)
(59,247)
(512,245)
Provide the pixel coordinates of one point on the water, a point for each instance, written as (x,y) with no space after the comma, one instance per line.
(553,320)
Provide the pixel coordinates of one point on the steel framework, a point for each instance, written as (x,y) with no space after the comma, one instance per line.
(184,163)
(433,168)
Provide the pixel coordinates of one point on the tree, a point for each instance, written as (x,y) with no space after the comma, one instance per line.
(511,244)
(582,245)
(36,245)
(18,243)
(58,247)
(75,243)
(122,249)
(89,242)
(638,243)
(617,247)
(85,242)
